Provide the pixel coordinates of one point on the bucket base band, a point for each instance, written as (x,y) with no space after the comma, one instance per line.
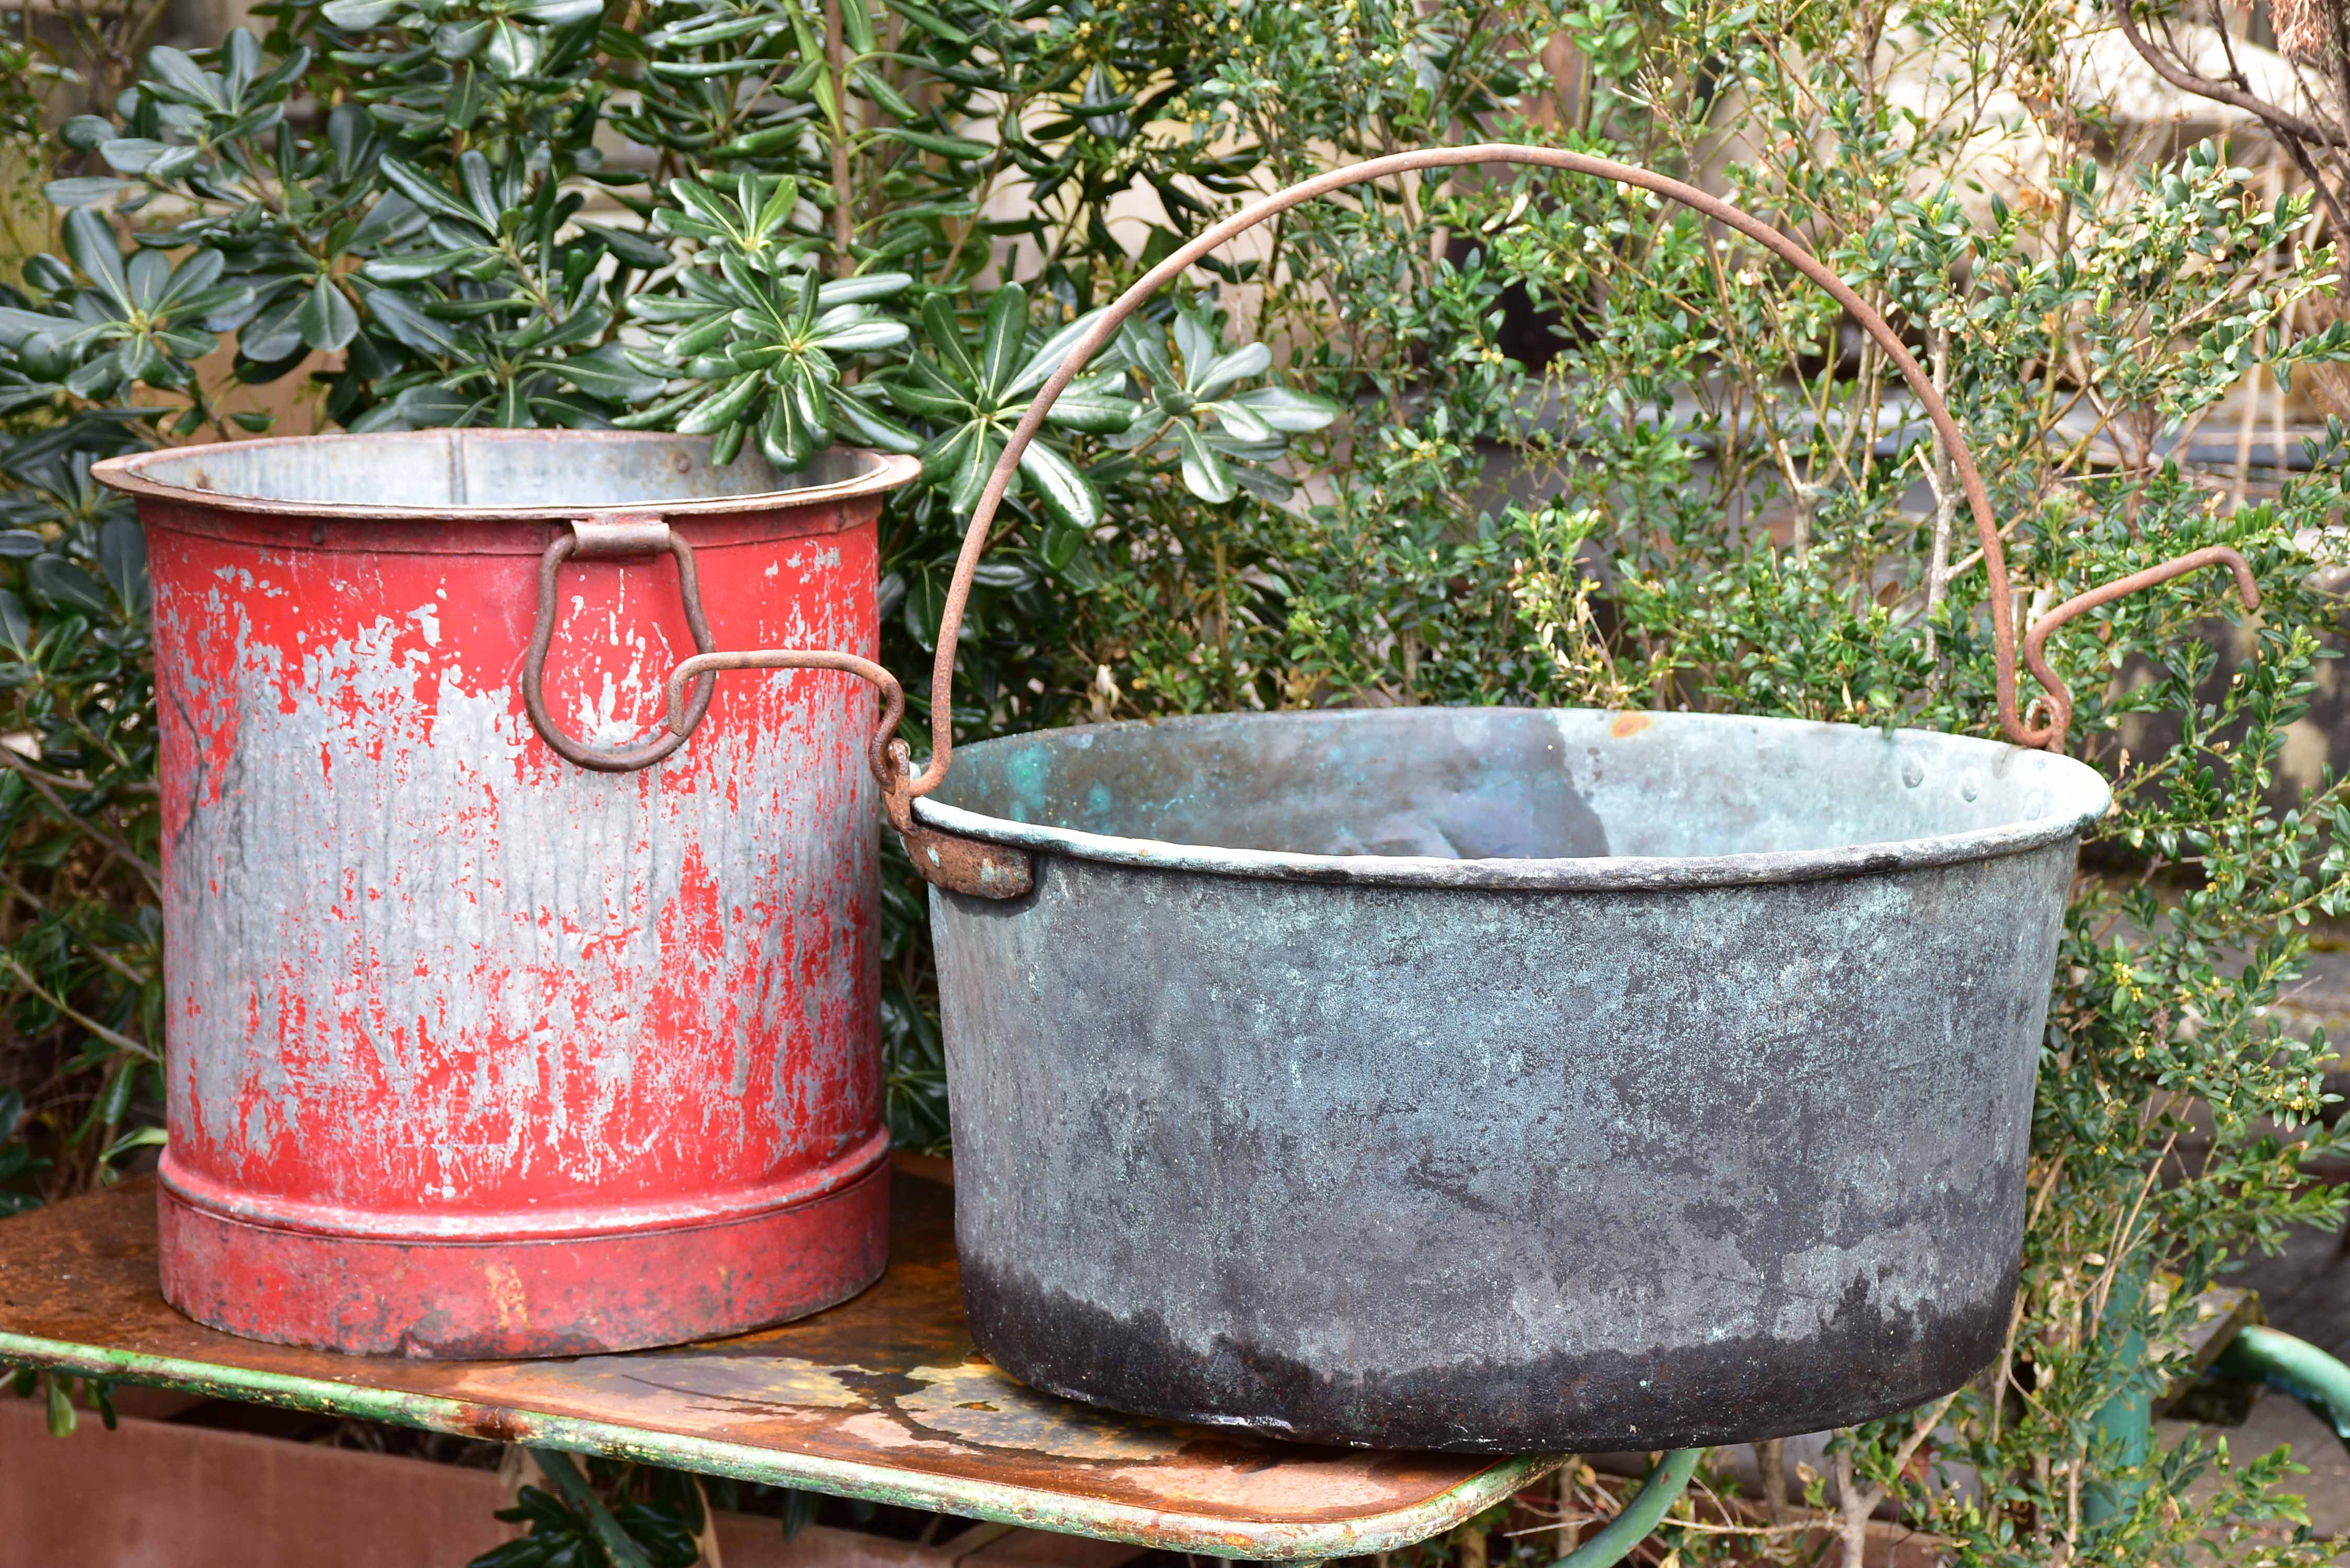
(542,1224)
(496,1300)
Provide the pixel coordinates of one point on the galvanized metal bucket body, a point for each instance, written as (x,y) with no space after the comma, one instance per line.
(474,1051)
(1501,1080)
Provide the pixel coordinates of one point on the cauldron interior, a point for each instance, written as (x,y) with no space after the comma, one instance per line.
(1509,783)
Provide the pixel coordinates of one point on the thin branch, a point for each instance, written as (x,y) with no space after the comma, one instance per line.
(113,844)
(110,1036)
(1699,1527)
(1853,1511)
(90,950)
(844,190)
(2179,77)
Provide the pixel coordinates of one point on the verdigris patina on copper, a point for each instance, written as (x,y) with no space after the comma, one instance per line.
(1501,1080)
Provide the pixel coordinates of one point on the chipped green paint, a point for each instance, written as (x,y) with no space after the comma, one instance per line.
(1067,1513)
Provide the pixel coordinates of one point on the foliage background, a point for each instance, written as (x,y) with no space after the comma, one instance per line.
(1560,446)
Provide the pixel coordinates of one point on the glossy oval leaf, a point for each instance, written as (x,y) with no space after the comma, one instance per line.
(979,460)
(122,556)
(90,244)
(863,286)
(1254,359)
(513,52)
(1002,338)
(1050,353)
(193,276)
(783,436)
(82,191)
(85,132)
(1146,350)
(59,584)
(131,154)
(1067,499)
(357,16)
(1093,410)
(1195,340)
(1205,474)
(144,276)
(946,341)
(960,148)
(607,373)
(865,336)
(324,319)
(393,313)
(1240,421)
(1289,410)
(861,423)
(943,457)
(1006,574)
(629,247)
(173,74)
(729,403)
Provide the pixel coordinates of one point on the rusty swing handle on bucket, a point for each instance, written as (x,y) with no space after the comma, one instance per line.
(2058,699)
(963,864)
(613,535)
(610,536)
(954,862)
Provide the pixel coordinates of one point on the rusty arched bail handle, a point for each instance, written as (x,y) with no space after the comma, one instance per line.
(1954,443)
(2060,699)
(607,537)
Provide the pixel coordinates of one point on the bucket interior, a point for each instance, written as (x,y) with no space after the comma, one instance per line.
(1514,783)
(502,471)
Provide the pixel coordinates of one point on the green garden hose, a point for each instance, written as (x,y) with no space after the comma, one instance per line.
(1663,1484)
(2291,1366)
(2256,1355)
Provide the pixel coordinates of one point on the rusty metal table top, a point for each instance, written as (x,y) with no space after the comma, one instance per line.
(882,1398)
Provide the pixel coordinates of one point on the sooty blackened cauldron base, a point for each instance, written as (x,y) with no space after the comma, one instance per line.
(1501,1080)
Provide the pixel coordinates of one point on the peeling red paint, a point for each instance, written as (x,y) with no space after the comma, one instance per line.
(466,1039)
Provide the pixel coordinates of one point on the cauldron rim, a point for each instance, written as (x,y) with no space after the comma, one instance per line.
(2078,795)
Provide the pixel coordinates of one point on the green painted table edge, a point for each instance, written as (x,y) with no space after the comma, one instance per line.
(1067,1513)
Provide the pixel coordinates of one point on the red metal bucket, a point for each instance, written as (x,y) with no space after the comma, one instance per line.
(476,1051)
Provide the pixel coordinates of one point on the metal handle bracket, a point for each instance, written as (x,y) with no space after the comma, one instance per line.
(614,534)
(967,865)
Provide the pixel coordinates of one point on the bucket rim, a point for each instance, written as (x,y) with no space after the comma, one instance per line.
(2082,797)
(887,471)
